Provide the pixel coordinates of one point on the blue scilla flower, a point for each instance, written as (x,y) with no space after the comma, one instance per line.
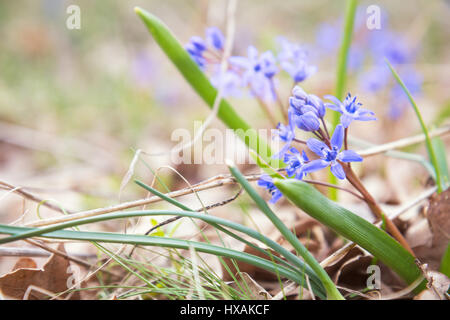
(295,161)
(398,100)
(267,182)
(330,156)
(198,47)
(350,110)
(286,134)
(215,38)
(256,71)
(293,60)
(307,109)
(390,45)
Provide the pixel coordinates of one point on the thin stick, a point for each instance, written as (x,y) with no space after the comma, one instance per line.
(405,142)
(326,184)
(66,256)
(32,197)
(37,253)
(375,208)
(215,205)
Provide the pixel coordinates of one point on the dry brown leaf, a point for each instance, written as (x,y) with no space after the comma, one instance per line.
(53,277)
(439,224)
(438,289)
(25,263)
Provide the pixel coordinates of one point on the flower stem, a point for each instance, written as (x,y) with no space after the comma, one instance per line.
(375,208)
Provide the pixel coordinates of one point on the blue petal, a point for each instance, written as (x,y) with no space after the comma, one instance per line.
(335,101)
(305,157)
(308,121)
(316,146)
(346,120)
(338,137)
(283,150)
(215,37)
(349,156)
(299,93)
(365,118)
(315,165)
(334,107)
(337,170)
(276,196)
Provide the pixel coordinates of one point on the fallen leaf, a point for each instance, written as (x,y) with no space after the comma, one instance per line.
(54,277)
(437,215)
(438,287)
(25,263)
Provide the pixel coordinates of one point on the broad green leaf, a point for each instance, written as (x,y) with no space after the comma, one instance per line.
(352,227)
(332,292)
(201,84)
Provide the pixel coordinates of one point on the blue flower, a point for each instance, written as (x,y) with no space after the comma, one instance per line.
(286,134)
(295,162)
(413,81)
(307,109)
(215,38)
(231,85)
(293,60)
(350,110)
(375,79)
(330,156)
(267,182)
(385,44)
(257,72)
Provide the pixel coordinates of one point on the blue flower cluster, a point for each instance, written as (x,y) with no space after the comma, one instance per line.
(307,112)
(255,71)
(370,49)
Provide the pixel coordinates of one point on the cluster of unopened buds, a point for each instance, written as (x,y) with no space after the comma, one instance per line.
(305,112)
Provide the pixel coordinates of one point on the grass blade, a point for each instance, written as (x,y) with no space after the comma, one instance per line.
(268,242)
(332,292)
(341,74)
(441,155)
(352,227)
(430,147)
(201,84)
(160,242)
(35,232)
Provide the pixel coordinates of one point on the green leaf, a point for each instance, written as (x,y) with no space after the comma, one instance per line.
(316,284)
(441,155)
(332,292)
(352,227)
(430,148)
(445,262)
(142,240)
(201,84)
(341,75)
